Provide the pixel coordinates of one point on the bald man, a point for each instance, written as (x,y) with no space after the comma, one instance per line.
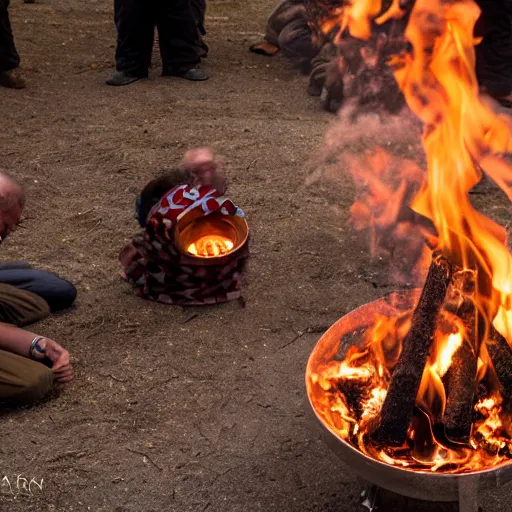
(30,364)
(26,294)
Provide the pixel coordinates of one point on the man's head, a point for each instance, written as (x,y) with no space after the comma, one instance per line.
(12,200)
(203,169)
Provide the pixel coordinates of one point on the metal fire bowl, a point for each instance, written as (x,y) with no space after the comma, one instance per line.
(193,227)
(414,484)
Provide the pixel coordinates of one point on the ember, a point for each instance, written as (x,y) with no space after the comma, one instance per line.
(210,237)
(210,245)
(428,384)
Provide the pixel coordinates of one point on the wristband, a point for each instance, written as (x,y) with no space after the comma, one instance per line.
(35,349)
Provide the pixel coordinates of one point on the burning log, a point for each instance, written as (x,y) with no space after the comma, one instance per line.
(398,408)
(419,409)
(460,379)
(460,385)
(501,356)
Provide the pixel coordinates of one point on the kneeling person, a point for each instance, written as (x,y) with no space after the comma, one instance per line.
(27,295)
(288,30)
(153,262)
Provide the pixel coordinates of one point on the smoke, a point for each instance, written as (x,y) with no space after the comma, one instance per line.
(384,162)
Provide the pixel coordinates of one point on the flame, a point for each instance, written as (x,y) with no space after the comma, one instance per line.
(348,395)
(463,138)
(210,246)
(448,349)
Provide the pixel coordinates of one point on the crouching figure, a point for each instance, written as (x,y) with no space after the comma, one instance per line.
(194,246)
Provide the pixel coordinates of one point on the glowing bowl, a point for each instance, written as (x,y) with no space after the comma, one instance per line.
(212,237)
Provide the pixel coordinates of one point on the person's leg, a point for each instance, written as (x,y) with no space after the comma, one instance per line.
(135,23)
(199,12)
(319,66)
(179,39)
(58,293)
(9,58)
(23,381)
(14,264)
(285,12)
(296,43)
(21,307)
(494,53)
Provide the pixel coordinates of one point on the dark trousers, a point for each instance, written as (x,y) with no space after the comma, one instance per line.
(177,35)
(58,293)
(494,53)
(9,58)
(199,12)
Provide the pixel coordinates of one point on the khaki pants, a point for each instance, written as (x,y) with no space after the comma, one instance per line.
(23,381)
(20,307)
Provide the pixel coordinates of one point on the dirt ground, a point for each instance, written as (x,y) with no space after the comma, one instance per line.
(174,409)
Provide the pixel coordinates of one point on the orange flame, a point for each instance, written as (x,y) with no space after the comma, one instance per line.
(210,246)
(463,138)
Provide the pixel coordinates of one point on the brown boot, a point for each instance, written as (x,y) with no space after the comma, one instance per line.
(12,79)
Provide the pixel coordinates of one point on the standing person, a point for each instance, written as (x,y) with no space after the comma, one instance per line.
(494,53)
(9,58)
(177,34)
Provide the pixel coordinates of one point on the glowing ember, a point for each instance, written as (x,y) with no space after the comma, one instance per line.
(210,246)
(462,417)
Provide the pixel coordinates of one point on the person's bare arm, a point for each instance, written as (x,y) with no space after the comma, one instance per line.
(18,341)
(15,340)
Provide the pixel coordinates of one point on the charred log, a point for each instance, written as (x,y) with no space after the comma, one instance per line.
(460,380)
(460,386)
(501,356)
(398,408)
(355,394)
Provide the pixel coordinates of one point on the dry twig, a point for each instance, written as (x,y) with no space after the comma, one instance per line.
(160,468)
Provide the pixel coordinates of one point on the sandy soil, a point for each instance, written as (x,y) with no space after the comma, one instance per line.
(173,409)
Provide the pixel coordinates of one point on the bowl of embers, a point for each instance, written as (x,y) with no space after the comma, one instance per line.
(212,237)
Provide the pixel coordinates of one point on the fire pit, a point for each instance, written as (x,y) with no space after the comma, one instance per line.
(409,474)
(415,390)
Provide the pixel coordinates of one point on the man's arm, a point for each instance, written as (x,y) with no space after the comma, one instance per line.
(18,341)
(15,340)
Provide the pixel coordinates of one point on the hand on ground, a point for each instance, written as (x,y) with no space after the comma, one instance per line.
(59,356)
